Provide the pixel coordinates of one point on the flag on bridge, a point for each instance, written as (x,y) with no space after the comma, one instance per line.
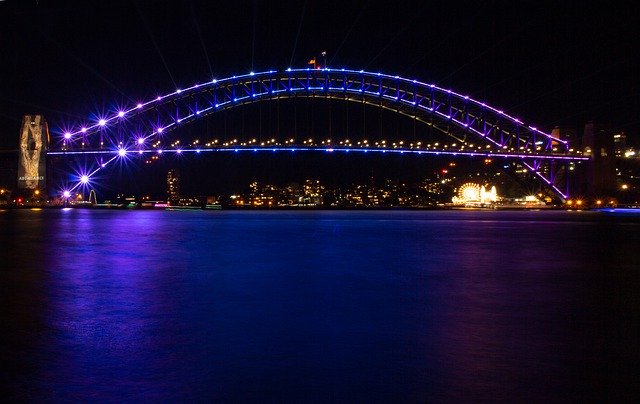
(312,62)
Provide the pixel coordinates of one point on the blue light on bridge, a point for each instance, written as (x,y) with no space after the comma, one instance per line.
(401,90)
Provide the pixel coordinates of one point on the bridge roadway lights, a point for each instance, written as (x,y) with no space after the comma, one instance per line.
(443,109)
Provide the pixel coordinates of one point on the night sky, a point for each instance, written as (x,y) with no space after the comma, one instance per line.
(550,63)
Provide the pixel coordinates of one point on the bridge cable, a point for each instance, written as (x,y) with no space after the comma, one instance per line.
(83,64)
(253,38)
(493,46)
(295,44)
(355,21)
(400,31)
(155,44)
(204,48)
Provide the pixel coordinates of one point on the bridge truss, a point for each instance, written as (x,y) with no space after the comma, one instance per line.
(491,132)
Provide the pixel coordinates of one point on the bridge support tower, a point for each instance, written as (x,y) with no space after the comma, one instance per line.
(32,154)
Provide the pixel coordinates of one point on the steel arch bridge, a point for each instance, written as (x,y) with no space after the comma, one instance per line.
(495,133)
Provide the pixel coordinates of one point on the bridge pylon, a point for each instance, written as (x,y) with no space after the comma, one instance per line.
(32,158)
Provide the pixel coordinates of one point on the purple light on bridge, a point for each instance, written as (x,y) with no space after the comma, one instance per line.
(66,194)
(84,179)
(121,114)
(140,140)
(139,105)
(67,135)
(160,130)
(122,152)
(102,122)
(83,130)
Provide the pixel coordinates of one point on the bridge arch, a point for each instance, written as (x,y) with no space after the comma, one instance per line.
(446,111)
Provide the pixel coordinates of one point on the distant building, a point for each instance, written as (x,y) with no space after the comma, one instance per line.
(173,186)
(600,174)
(567,134)
(619,144)
(313,193)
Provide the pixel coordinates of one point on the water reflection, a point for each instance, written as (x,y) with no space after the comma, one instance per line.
(337,306)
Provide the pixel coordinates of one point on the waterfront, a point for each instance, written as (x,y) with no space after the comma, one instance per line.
(317,306)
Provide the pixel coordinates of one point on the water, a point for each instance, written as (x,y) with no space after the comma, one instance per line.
(323,306)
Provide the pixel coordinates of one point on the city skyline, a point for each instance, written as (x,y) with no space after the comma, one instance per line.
(333,201)
(312,121)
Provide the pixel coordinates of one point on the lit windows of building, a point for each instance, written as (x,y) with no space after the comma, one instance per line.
(173,186)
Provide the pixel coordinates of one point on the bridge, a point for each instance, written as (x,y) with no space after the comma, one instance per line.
(474,128)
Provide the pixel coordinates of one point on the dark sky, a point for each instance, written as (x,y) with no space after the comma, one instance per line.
(550,63)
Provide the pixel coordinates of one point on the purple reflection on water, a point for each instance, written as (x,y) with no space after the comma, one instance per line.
(282,306)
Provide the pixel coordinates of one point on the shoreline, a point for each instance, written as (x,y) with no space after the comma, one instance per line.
(313,208)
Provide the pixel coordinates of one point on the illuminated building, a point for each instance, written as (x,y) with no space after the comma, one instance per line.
(472,193)
(34,140)
(620,144)
(312,193)
(173,186)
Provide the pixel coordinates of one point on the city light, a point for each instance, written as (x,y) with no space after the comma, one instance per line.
(84,179)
